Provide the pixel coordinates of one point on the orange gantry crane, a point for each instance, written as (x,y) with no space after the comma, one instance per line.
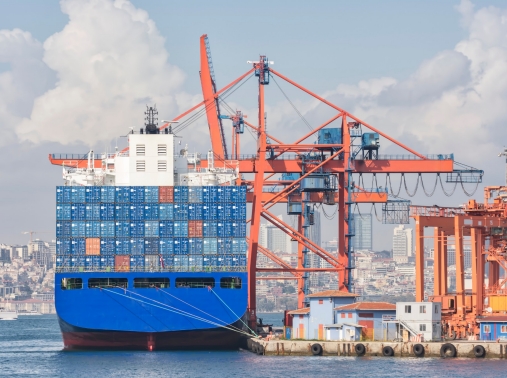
(483,228)
(304,173)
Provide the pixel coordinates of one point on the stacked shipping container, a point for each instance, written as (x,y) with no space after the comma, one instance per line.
(138,228)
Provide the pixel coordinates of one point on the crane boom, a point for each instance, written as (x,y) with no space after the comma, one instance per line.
(210,102)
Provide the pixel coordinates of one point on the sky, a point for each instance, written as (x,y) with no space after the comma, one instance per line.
(76,74)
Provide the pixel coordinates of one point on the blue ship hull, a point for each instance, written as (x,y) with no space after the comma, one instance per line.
(151,318)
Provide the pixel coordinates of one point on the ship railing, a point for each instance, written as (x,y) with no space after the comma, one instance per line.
(153,270)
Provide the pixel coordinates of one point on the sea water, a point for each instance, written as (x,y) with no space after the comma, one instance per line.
(32,346)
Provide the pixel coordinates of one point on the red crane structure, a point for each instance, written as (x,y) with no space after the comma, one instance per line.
(321,172)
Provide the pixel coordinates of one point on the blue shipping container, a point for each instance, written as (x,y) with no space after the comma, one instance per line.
(63,229)
(238,229)
(137,263)
(92,229)
(151,194)
(77,261)
(180,211)
(195,194)
(137,212)
(92,263)
(137,194)
(209,194)
(92,211)
(195,246)
(107,246)
(221,196)
(166,246)
(122,212)
(209,229)
(107,262)
(209,212)
(78,246)
(151,212)
(78,194)
(107,211)
(221,212)
(165,211)
(181,194)
(122,246)
(167,261)
(92,194)
(137,246)
(122,194)
(122,229)
(195,262)
(166,229)
(180,229)
(63,246)
(107,194)
(63,212)
(137,229)
(151,229)
(78,211)
(63,194)
(151,246)
(107,229)
(195,211)
(221,246)
(78,229)
(209,246)
(180,246)
(63,262)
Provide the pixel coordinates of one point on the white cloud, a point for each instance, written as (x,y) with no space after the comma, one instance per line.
(110,61)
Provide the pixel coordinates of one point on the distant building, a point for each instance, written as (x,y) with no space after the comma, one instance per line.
(274,239)
(402,242)
(467,255)
(363,238)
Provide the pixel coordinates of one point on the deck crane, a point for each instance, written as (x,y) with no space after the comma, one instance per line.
(322,172)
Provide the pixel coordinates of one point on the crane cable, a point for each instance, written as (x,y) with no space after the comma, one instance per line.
(434,187)
(406,188)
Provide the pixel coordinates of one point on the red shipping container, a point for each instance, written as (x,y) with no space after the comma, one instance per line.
(198,229)
(122,263)
(191,229)
(92,246)
(166,194)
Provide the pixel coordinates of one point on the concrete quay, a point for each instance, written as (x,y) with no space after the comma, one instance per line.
(450,349)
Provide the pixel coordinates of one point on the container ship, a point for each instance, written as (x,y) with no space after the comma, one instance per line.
(151,250)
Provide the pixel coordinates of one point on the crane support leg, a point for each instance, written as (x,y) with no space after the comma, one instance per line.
(419,262)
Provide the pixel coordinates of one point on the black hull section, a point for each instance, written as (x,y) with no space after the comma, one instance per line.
(76,338)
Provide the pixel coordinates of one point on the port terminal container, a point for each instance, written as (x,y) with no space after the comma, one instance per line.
(92,263)
(209,229)
(93,246)
(137,246)
(107,211)
(294,207)
(107,194)
(210,245)
(107,246)
(92,194)
(77,246)
(209,194)
(107,263)
(137,194)
(121,229)
(180,246)
(78,194)
(63,194)
(166,211)
(122,212)
(122,194)
(195,246)
(166,194)
(330,135)
(137,263)
(92,211)
(106,229)
(180,229)
(180,211)
(166,229)
(137,229)
(151,229)
(209,212)
(314,183)
(181,194)
(151,246)
(195,194)
(122,246)
(78,211)
(63,212)
(78,229)
(137,212)
(122,263)
(166,246)
(63,229)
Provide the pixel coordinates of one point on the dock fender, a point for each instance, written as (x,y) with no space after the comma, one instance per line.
(479,351)
(387,351)
(418,350)
(316,349)
(260,350)
(448,350)
(360,349)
